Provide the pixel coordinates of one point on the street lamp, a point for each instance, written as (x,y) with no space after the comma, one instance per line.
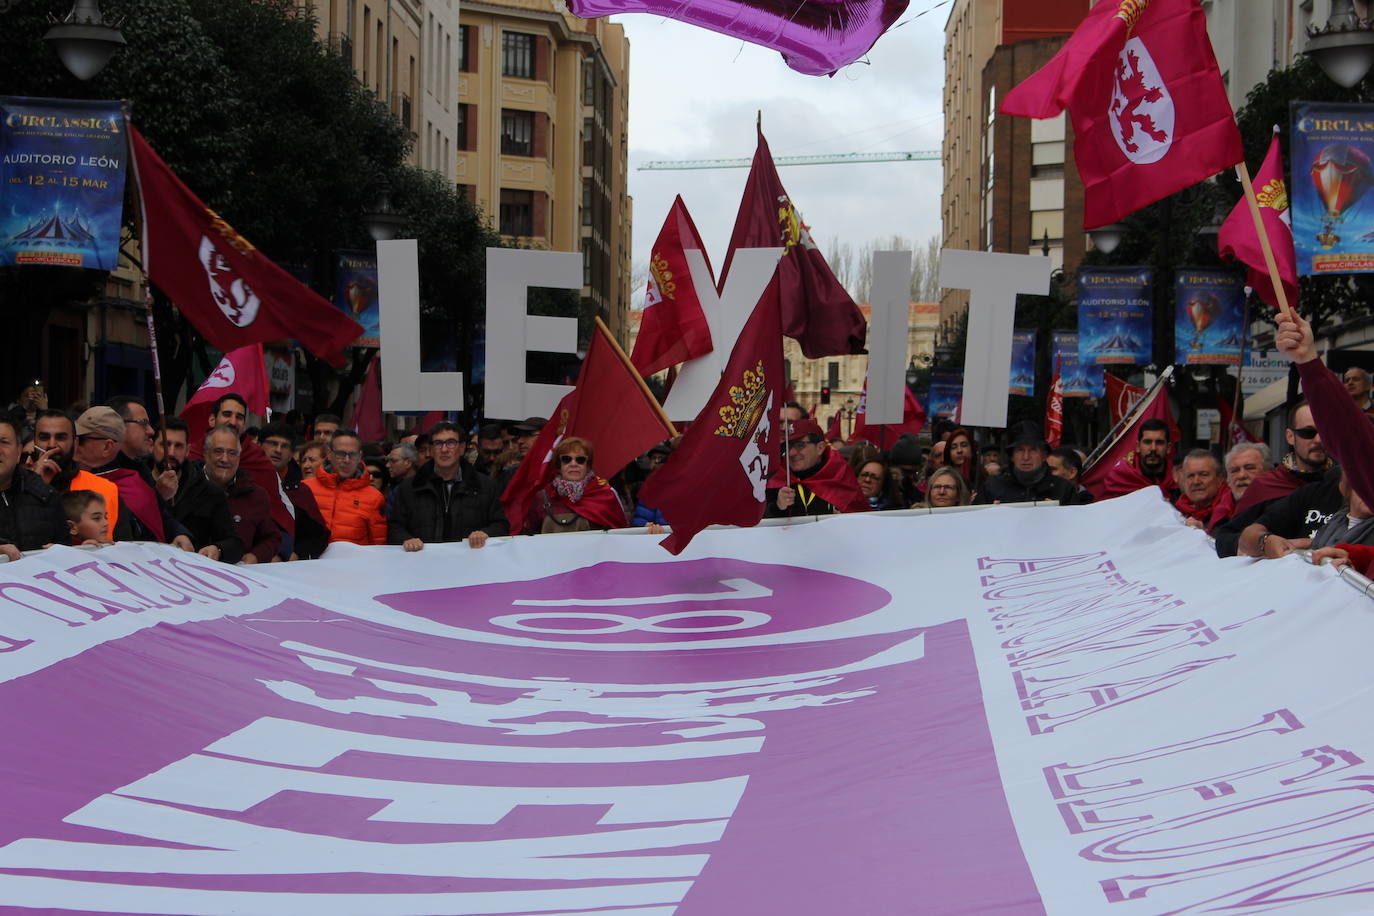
(84,39)
(1106,238)
(383,222)
(912,373)
(1344,47)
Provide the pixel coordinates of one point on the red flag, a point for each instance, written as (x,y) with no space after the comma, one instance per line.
(834,432)
(1149,109)
(610,407)
(884,435)
(816,310)
(367,410)
(1238,239)
(1113,470)
(226,288)
(241,371)
(1054,409)
(719,473)
(1121,396)
(1234,431)
(673,327)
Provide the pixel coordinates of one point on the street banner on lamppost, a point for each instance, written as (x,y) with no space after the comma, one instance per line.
(1209,318)
(355,293)
(1114,316)
(1079,381)
(62,165)
(1330,151)
(1022,379)
(946,391)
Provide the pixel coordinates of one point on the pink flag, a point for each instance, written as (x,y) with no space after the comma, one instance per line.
(673,327)
(367,411)
(242,372)
(1238,239)
(1149,109)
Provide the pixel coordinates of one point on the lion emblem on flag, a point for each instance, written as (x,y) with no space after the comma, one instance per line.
(1141,109)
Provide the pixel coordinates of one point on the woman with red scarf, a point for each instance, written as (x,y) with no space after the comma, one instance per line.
(575,499)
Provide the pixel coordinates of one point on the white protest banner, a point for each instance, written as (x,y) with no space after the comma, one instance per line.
(1014,710)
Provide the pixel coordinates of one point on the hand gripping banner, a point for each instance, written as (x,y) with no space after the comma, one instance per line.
(1018,710)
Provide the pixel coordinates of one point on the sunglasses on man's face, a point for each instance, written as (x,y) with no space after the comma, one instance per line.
(1307,432)
(572,459)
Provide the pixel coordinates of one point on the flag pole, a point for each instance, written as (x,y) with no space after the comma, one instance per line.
(643,386)
(1243,173)
(1131,416)
(148,295)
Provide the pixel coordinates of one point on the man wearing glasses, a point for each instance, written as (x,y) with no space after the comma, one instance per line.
(447,500)
(351,506)
(1301,475)
(822,483)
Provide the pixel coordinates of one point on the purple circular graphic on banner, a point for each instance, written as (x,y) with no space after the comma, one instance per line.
(614,602)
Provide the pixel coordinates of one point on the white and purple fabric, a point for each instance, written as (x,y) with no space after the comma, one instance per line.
(1075,710)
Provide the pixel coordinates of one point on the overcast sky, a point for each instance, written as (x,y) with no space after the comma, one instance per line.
(694,94)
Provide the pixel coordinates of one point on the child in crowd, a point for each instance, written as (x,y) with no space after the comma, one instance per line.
(87,519)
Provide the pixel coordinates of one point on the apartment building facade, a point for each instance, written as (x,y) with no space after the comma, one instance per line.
(542,115)
(1010,183)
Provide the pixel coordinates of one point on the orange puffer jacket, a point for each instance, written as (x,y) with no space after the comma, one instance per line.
(351,508)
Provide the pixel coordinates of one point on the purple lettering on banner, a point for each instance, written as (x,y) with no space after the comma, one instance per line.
(1258,852)
(1241,820)
(9,590)
(1085,627)
(623,756)
(110,606)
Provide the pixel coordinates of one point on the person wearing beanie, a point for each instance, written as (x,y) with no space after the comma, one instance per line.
(1030,478)
(905,459)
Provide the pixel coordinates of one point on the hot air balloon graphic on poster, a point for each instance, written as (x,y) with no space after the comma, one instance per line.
(1203,308)
(1341,173)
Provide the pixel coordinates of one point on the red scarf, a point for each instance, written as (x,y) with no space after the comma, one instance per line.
(140,499)
(599,504)
(833,481)
(1126,477)
(1272,484)
(1222,507)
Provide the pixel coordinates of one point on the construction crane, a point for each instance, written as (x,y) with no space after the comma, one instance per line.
(665,165)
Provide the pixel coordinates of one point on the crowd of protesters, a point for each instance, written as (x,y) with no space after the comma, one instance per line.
(285,490)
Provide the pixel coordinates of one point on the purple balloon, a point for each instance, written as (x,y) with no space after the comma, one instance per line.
(813,36)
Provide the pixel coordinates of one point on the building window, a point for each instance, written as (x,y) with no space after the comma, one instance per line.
(586,203)
(517,212)
(517,133)
(589,83)
(517,55)
(465,62)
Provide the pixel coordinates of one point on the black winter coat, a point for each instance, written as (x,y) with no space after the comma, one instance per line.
(31,513)
(423,511)
(1005,488)
(203,510)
